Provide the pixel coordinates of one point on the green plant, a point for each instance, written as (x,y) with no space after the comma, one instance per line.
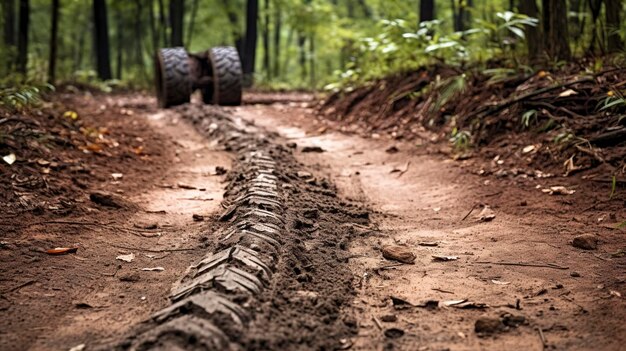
(460,139)
(448,89)
(528,116)
(21,96)
(613,187)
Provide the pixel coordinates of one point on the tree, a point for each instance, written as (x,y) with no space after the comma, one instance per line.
(101,31)
(266,38)
(529,8)
(555,29)
(22,37)
(54,33)
(8,9)
(427,10)
(612,9)
(249,49)
(177,12)
(277,33)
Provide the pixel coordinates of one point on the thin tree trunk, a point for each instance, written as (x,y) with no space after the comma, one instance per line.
(54,31)
(22,37)
(139,35)
(427,10)
(235,28)
(266,39)
(101,29)
(163,21)
(595,6)
(312,60)
(302,56)
(613,9)
(177,12)
(192,21)
(529,8)
(153,32)
(555,29)
(249,52)
(119,60)
(8,9)
(277,29)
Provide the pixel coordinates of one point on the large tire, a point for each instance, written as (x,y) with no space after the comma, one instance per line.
(227,76)
(172,76)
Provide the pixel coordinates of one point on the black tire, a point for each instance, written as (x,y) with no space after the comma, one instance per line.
(227,76)
(172,76)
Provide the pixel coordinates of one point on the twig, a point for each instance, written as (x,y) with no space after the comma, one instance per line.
(377,322)
(590,153)
(470,212)
(15,288)
(543,338)
(154,250)
(524,264)
(406,168)
(443,291)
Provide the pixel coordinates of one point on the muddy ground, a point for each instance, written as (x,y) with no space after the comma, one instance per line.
(518,272)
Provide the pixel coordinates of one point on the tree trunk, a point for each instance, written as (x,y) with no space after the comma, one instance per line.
(313,82)
(163,21)
(249,50)
(22,37)
(177,12)
(595,6)
(8,9)
(277,29)
(235,28)
(613,9)
(529,8)
(101,29)
(555,29)
(302,56)
(119,45)
(192,21)
(54,31)
(427,10)
(153,31)
(266,39)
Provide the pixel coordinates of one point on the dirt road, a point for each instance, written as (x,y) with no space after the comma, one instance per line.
(306,216)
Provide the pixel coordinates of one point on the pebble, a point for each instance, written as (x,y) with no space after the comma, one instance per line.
(486,325)
(398,253)
(585,242)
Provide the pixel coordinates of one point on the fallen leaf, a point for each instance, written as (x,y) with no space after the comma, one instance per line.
(568,92)
(117,176)
(126,258)
(570,167)
(185,186)
(433,243)
(62,250)
(10,158)
(529,148)
(153,269)
(558,190)
(471,305)
(615,293)
(71,115)
(486,215)
(453,302)
(80,347)
(94,147)
(445,258)
(500,282)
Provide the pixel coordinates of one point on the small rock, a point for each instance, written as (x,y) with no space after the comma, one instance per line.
(575,274)
(389,318)
(304,174)
(392,150)
(514,321)
(394,333)
(106,199)
(398,253)
(312,149)
(129,277)
(485,325)
(197,217)
(291,145)
(220,170)
(585,242)
(486,215)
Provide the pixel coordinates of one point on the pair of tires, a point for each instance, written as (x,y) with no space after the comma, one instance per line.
(216,73)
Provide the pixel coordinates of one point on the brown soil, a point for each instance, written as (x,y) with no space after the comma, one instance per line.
(332,288)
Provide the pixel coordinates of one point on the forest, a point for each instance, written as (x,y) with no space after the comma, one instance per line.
(308,44)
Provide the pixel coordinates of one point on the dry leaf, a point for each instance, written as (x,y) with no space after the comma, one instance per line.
(117,176)
(568,92)
(453,302)
(10,158)
(558,190)
(500,282)
(62,250)
(153,269)
(126,258)
(486,215)
(529,148)
(445,258)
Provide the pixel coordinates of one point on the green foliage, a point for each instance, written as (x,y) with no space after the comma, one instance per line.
(21,96)
(528,116)
(461,139)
